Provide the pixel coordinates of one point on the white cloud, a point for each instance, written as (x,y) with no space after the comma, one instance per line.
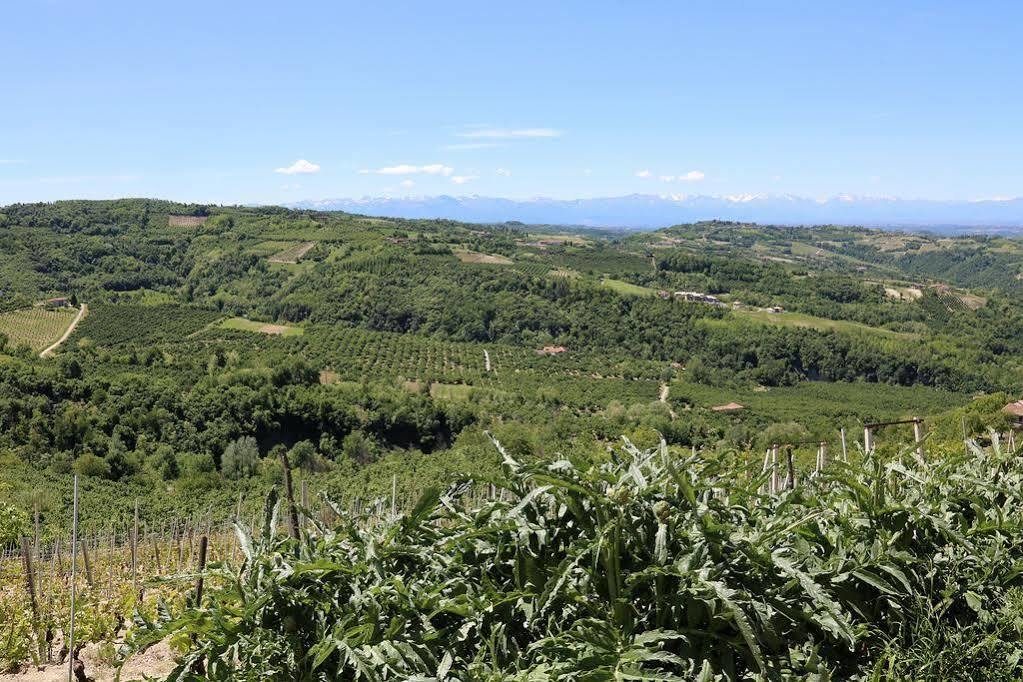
(407,183)
(462,179)
(503,133)
(407,169)
(10,162)
(691,176)
(666,178)
(474,145)
(503,171)
(299,167)
(643,173)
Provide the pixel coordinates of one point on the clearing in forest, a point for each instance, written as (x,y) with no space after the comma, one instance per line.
(785,319)
(186,220)
(292,254)
(261,327)
(487,259)
(627,288)
(36,327)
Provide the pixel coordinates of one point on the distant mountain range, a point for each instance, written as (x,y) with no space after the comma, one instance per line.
(648,211)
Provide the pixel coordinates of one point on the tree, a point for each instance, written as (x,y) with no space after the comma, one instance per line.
(240,458)
(305,456)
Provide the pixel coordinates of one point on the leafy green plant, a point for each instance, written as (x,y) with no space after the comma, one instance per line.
(649,566)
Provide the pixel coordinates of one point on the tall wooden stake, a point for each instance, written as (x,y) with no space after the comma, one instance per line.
(290,494)
(135,549)
(88,564)
(845,452)
(394,495)
(30,583)
(918,435)
(74,582)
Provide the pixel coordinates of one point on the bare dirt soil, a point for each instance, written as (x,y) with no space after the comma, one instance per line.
(156,662)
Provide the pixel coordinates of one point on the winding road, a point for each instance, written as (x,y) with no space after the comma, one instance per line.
(67,332)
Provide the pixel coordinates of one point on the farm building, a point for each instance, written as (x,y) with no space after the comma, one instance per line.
(59,302)
(551,350)
(698,297)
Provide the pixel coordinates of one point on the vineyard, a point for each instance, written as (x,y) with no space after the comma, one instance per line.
(292,253)
(119,575)
(36,327)
(655,565)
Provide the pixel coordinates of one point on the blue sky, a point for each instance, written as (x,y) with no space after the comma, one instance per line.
(206,101)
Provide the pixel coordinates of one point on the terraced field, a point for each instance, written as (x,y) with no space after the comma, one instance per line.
(35,327)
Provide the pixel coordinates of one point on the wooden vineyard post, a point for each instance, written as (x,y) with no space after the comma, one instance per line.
(113,558)
(918,435)
(30,583)
(790,476)
(200,668)
(966,441)
(74,582)
(767,464)
(394,495)
(156,554)
(88,564)
(135,549)
(845,452)
(290,495)
(203,545)
(37,557)
(868,439)
(775,482)
(305,502)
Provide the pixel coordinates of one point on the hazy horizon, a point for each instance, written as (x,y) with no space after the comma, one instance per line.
(578,100)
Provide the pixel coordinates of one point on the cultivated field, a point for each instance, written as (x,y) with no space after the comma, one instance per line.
(483,258)
(261,327)
(186,220)
(35,327)
(292,254)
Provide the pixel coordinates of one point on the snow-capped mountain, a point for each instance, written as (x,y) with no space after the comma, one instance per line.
(646,211)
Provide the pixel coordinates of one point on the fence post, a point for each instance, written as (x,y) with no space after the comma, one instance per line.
(135,549)
(74,582)
(790,477)
(775,483)
(918,435)
(88,564)
(30,583)
(868,440)
(290,494)
(394,495)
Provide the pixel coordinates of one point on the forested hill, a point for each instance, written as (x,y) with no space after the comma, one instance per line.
(215,336)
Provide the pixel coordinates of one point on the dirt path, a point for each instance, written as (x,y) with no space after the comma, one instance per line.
(663,397)
(67,332)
